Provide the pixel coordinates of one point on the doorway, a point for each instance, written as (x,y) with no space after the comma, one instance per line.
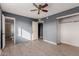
(8,31)
(40,31)
(37,31)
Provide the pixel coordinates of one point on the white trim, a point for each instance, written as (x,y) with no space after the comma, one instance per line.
(12,18)
(14,31)
(50,42)
(3,31)
(74,14)
(69,43)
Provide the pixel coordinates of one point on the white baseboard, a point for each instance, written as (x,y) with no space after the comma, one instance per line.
(69,43)
(50,42)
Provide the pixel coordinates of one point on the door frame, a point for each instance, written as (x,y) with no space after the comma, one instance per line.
(12,18)
(3,31)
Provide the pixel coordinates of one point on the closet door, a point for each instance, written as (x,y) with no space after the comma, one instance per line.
(70,30)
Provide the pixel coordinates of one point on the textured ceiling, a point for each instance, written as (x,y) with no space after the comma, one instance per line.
(24,9)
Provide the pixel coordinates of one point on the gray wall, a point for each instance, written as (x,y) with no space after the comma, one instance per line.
(23,24)
(50,29)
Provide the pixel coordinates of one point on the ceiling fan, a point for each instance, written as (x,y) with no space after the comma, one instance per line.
(40,7)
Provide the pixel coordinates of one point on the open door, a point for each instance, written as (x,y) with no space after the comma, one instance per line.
(3,31)
(34,30)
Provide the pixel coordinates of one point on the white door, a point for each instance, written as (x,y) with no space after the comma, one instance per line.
(70,30)
(3,31)
(34,30)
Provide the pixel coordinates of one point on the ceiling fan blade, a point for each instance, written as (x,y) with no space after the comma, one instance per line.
(34,10)
(45,5)
(45,10)
(35,5)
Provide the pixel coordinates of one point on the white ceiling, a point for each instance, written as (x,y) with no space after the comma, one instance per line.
(24,9)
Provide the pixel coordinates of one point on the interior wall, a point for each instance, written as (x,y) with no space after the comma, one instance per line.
(23,27)
(49,30)
(8,28)
(50,25)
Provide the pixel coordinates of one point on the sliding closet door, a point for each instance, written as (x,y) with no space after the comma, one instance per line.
(70,30)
